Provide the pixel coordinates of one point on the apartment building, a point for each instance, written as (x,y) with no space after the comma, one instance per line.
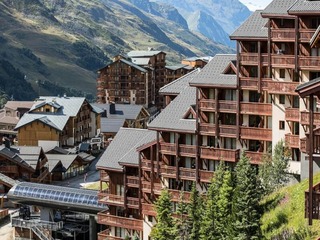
(243,102)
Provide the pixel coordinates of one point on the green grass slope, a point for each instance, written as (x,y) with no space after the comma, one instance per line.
(285,214)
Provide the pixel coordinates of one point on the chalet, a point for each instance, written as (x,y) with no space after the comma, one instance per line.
(119,167)
(115,116)
(58,121)
(176,71)
(196,62)
(10,116)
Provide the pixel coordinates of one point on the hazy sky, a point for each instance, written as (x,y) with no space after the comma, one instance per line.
(255,4)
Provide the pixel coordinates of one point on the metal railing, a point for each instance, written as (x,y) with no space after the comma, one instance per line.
(54,226)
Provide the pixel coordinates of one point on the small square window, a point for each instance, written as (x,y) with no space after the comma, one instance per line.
(281,125)
(150,218)
(282,99)
(282,73)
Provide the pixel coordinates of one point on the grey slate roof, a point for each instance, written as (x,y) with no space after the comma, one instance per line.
(179,66)
(126,111)
(176,86)
(111,125)
(7,180)
(123,147)
(212,74)
(133,64)
(58,150)
(15,105)
(141,61)
(307,84)
(253,27)
(172,117)
(142,53)
(278,7)
(27,150)
(66,160)
(305,6)
(14,157)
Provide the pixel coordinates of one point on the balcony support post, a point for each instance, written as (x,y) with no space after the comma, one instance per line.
(177,155)
(197,138)
(311,101)
(140,182)
(238,94)
(259,67)
(269,50)
(125,202)
(216,115)
(296,29)
(152,174)
(158,154)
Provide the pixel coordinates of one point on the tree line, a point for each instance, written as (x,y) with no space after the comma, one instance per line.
(230,208)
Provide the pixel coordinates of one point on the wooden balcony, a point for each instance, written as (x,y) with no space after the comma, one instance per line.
(148,209)
(106,235)
(133,181)
(167,148)
(305,118)
(168,171)
(133,202)
(187,150)
(146,165)
(207,129)
(227,106)
(255,108)
(228,130)
(252,133)
(292,114)
(106,198)
(282,60)
(187,174)
(306,34)
(284,34)
(281,87)
(229,155)
(9,169)
(293,141)
(248,83)
(110,220)
(255,157)
(175,195)
(4,213)
(206,176)
(146,187)
(207,104)
(309,62)
(253,59)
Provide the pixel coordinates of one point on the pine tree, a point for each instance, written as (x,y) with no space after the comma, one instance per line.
(163,230)
(246,210)
(195,210)
(273,170)
(181,223)
(217,215)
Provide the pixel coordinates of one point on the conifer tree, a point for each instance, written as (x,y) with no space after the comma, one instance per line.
(195,211)
(181,222)
(163,230)
(246,211)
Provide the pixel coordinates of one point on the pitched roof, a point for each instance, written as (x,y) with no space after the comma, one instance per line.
(143,53)
(134,64)
(253,27)
(57,150)
(55,121)
(14,157)
(305,6)
(67,105)
(123,111)
(8,119)
(179,66)
(111,125)
(213,73)
(7,180)
(123,147)
(14,105)
(176,86)
(141,61)
(66,160)
(27,150)
(172,117)
(278,7)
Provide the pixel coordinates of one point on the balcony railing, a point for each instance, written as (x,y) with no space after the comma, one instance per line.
(255,157)
(146,165)
(255,108)
(133,181)
(282,60)
(252,58)
(104,177)
(281,87)
(206,176)
(187,150)
(112,199)
(9,169)
(228,130)
(285,34)
(167,148)
(292,114)
(306,34)
(305,118)
(262,134)
(129,223)
(168,171)
(227,106)
(248,83)
(230,155)
(148,209)
(133,202)
(187,173)
(106,235)
(207,104)
(207,129)
(293,141)
(4,213)
(175,195)
(309,62)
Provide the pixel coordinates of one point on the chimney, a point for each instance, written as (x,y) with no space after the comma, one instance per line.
(112,109)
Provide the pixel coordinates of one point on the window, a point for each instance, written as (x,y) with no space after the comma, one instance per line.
(282,99)
(150,218)
(120,190)
(282,73)
(254,96)
(296,102)
(281,125)
(253,72)
(211,93)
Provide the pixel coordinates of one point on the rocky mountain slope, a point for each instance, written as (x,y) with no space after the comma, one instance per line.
(58,45)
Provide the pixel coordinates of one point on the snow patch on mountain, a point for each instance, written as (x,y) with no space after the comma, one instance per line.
(255,4)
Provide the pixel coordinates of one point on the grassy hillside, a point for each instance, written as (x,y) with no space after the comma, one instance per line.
(285,214)
(66,42)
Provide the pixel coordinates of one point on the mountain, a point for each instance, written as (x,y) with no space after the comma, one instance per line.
(199,13)
(58,45)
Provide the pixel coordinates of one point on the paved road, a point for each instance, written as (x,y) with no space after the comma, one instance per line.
(75,182)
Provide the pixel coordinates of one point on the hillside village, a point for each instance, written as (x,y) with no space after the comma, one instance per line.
(158,128)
